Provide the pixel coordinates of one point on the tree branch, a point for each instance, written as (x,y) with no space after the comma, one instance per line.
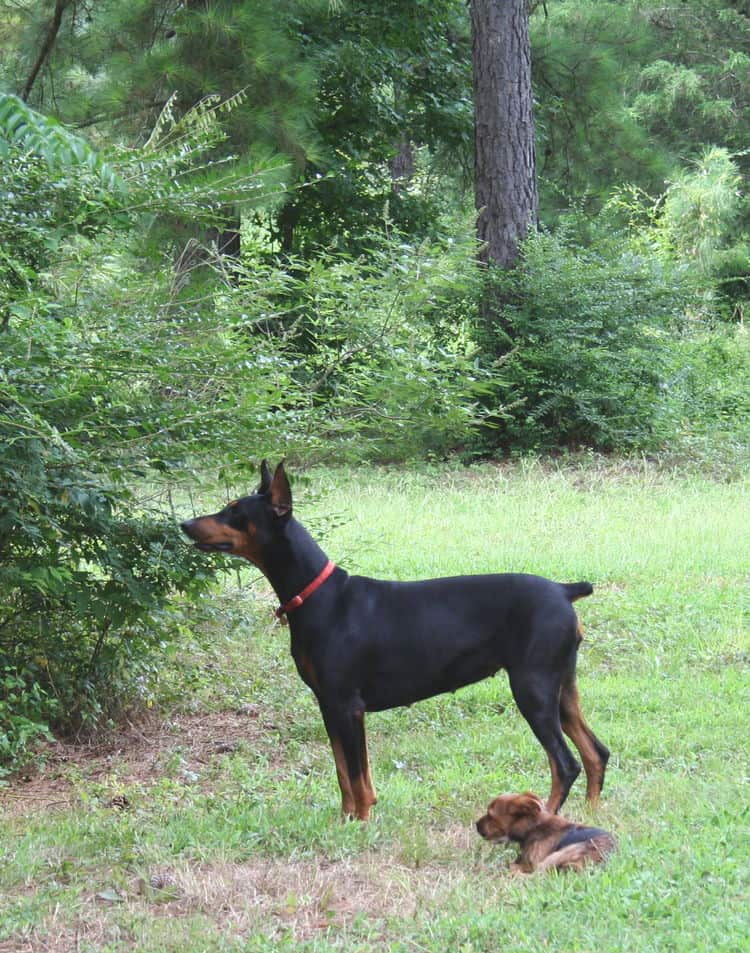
(49,41)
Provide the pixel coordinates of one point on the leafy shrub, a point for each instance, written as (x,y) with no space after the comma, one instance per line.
(588,337)
(97,394)
(383,363)
(709,397)
(701,221)
(701,218)
(84,572)
(25,709)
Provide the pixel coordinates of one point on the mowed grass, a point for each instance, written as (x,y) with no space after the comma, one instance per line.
(245,850)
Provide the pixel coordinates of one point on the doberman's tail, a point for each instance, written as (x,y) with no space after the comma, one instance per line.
(577,590)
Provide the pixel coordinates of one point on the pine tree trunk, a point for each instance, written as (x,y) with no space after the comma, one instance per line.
(402,166)
(505,178)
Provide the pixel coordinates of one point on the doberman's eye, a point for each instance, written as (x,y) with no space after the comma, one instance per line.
(235,514)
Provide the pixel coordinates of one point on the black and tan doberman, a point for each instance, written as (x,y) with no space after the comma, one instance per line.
(366,645)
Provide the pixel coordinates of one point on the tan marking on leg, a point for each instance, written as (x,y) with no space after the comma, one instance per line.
(555,798)
(575,727)
(363,797)
(367,768)
(348,803)
(310,675)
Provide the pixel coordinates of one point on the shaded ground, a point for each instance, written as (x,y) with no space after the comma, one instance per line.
(138,753)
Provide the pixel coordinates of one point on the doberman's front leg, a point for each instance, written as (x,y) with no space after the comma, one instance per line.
(367,770)
(346,731)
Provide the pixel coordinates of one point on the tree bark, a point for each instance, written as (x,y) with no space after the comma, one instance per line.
(402,166)
(504,165)
(49,41)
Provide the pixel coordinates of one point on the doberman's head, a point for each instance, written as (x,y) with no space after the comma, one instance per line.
(511,817)
(246,527)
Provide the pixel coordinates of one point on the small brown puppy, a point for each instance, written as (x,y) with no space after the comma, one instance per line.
(546,840)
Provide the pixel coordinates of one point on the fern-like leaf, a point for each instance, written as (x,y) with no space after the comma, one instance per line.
(23,127)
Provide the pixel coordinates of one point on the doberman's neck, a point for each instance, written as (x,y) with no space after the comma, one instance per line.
(293,561)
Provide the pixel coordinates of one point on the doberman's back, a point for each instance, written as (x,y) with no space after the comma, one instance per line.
(404,641)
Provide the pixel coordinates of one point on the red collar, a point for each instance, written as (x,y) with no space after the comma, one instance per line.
(297,601)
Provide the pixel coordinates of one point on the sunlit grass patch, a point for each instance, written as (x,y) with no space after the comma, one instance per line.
(223,833)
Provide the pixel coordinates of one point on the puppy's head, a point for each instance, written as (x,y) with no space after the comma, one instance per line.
(510,817)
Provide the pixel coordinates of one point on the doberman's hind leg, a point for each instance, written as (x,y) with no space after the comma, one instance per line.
(537,695)
(593,753)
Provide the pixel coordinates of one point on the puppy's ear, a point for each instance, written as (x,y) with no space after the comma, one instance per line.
(528,805)
(494,807)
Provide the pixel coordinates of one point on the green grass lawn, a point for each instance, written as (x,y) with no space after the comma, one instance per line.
(239,846)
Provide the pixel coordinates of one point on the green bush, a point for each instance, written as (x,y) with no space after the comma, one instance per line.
(85,575)
(588,337)
(709,398)
(702,217)
(97,396)
(383,364)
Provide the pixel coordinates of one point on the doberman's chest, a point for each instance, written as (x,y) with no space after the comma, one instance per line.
(306,667)
(390,675)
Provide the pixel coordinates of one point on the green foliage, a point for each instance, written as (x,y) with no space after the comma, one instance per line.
(700,216)
(694,88)
(709,397)
(96,394)
(342,92)
(699,221)
(25,709)
(394,86)
(383,362)
(588,334)
(628,92)
(84,571)
(701,205)
(334,90)
(117,65)
(85,568)
(26,220)
(588,139)
(23,128)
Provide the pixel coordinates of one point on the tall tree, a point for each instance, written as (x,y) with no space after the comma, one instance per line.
(504,166)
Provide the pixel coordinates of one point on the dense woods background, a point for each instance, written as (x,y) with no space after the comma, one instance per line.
(236,229)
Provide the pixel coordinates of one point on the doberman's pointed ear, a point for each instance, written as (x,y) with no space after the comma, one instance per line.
(265,478)
(280,492)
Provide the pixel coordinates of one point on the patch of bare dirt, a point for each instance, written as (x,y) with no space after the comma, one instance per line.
(138,754)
